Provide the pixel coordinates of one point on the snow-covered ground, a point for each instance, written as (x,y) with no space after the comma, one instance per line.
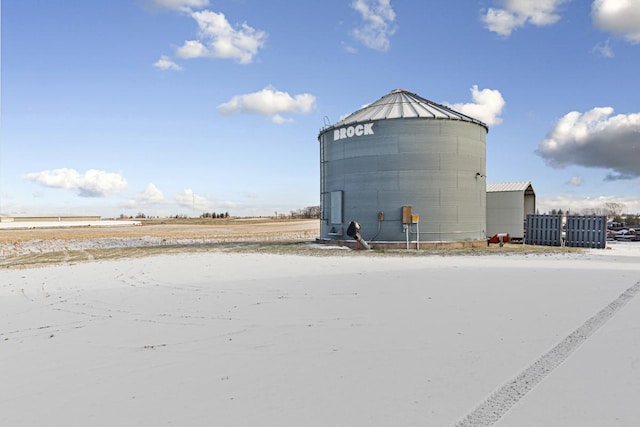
(241,339)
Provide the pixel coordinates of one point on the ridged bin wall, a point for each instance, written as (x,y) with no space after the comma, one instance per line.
(436,166)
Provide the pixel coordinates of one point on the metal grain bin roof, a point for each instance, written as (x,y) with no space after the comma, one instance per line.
(402,104)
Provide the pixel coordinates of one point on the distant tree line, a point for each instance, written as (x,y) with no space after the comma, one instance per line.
(142,215)
(215,215)
(613,211)
(308,213)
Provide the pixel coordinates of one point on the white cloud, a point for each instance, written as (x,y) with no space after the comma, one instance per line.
(218,39)
(166,63)
(378,17)
(183,5)
(619,17)
(517,13)
(192,49)
(93,183)
(604,49)
(188,199)
(595,139)
(348,48)
(150,196)
(576,181)
(487,106)
(269,102)
(278,119)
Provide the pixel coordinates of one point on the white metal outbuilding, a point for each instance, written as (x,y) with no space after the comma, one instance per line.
(508,204)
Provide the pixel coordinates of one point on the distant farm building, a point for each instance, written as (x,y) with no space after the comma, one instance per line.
(50,218)
(27,222)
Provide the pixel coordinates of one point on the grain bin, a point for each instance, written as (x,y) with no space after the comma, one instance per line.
(405,168)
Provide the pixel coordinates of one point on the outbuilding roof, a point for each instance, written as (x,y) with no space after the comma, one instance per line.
(402,104)
(509,186)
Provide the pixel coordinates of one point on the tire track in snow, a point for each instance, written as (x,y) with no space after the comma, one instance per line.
(503,399)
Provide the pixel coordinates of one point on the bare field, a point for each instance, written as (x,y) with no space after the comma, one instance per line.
(37,247)
(225,229)
(34,247)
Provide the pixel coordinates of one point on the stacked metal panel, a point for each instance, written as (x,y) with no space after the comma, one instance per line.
(544,230)
(586,231)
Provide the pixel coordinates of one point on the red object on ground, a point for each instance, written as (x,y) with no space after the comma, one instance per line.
(499,238)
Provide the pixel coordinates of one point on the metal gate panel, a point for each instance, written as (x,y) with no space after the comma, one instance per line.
(545,230)
(586,231)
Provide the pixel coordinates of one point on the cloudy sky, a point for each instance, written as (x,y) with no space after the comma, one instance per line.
(170,107)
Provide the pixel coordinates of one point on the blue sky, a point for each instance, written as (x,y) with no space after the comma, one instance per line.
(171,107)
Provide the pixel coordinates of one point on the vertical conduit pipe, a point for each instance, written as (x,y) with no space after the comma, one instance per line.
(406,232)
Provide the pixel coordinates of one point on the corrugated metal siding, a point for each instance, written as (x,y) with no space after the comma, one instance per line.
(409,162)
(508,203)
(505,214)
